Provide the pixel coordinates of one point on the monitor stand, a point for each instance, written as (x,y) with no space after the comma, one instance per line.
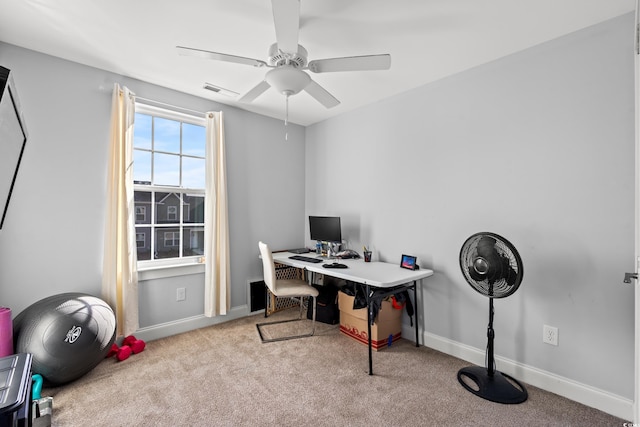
(332,249)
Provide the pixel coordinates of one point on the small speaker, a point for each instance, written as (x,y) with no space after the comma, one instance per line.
(258,295)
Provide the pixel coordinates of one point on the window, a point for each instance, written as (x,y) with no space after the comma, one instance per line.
(140,240)
(172,213)
(171,238)
(141,213)
(169,185)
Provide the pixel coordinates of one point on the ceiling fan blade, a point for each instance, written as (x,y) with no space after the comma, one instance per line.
(255,92)
(321,94)
(286,17)
(189,51)
(351,63)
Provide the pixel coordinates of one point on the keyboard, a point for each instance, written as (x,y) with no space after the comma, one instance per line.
(299,251)
(305,258)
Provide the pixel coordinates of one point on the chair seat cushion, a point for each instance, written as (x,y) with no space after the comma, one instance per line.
(293,288)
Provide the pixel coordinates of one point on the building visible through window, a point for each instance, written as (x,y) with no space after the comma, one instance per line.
(169,184)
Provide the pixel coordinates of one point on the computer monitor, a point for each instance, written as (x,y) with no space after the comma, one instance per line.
(325,228)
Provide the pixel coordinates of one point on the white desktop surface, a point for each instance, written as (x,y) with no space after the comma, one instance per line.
(376,274)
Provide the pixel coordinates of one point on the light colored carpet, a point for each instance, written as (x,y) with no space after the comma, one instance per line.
(224,376)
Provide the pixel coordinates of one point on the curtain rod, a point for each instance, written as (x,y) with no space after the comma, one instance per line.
(153,102)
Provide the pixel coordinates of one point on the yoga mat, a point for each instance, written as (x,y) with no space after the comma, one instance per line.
(6,332)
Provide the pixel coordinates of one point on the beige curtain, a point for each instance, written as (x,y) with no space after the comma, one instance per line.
(120,274)
(636,406)
(217,298)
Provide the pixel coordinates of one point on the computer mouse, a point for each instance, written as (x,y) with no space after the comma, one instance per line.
(334,265)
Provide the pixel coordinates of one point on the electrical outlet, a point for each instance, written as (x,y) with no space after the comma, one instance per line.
(181,294)
(550,335)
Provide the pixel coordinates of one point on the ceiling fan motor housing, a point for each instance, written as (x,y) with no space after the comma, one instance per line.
(278,58)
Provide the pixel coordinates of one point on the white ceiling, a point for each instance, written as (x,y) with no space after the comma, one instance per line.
(427,40)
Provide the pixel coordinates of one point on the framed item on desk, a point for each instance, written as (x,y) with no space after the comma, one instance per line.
(408,262)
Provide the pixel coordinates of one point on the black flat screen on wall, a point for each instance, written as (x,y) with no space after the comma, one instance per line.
(13,138)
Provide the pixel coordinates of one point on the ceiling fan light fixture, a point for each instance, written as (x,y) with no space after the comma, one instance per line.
(220,90)
(287,80)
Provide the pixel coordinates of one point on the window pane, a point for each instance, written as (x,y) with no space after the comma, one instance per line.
(193,241)
(167,208)
(193,209)
(142,202)
(166,135)
(166,169)
(143,242)
(142,131)
(141,167)
(170,153)
(193,139)
(193,172)
(167,243)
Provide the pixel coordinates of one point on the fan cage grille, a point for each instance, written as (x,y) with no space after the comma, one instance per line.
(507,273)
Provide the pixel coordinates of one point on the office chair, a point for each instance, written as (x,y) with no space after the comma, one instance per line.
(292,288)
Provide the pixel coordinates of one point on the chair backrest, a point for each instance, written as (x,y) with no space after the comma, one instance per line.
(268,267)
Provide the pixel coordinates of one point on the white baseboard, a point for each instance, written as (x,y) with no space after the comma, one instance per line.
(590,396)
(190,323)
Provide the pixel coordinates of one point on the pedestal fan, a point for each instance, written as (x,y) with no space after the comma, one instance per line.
(492,266)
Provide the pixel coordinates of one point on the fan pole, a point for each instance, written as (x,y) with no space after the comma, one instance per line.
(490,337)
(489,383)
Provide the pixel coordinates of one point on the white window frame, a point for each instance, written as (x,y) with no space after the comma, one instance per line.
(169,262)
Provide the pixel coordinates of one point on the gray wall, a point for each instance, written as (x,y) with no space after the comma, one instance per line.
(52,241)
(537,147)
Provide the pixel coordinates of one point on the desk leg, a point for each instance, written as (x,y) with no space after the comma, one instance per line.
(415,310)
(367,290)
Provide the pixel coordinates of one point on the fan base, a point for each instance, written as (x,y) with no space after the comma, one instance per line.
(499,387)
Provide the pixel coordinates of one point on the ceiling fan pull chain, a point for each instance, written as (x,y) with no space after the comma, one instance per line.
(286,117)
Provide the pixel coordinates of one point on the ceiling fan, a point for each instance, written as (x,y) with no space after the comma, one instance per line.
(287,60)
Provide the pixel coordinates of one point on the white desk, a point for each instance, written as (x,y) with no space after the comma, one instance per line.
(381,275)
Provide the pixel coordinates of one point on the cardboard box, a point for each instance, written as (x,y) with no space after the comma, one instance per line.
(354,323)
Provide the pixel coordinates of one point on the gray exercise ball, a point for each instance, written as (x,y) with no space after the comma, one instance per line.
(67,334)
